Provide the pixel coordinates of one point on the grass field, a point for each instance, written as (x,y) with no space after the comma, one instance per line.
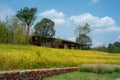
(14,57)
(84,76)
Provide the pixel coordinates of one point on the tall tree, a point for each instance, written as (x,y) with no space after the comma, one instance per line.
(82,36)
(44,29)
(27,15)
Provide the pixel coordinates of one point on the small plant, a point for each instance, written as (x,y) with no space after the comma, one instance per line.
(38,53)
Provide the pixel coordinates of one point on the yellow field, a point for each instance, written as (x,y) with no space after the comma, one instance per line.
(24,57)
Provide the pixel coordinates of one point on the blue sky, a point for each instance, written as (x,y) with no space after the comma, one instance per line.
(103,16)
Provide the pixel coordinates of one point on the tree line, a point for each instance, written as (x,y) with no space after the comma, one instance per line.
(12,31)
(111,48)
(16,29)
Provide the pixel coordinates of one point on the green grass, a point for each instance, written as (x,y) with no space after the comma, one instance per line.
(14,57)
(91,72)
(84,76)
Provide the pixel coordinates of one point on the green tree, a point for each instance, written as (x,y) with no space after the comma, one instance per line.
(27,15)
(114,48)
(12,24)
(101,48)
(3,32)
(117,44)
(44,29)
(82,36)
(20,34)
(16,30)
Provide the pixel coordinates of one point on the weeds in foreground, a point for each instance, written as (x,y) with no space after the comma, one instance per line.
(99,68)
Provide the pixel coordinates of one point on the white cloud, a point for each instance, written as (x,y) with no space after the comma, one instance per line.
(102,24)
(57,17)
(113,29)
(119,37)
(98,31)
(92,20)
(72,39)
(107,29)
(59,21)
(94,1)
(97,44)
(5,10)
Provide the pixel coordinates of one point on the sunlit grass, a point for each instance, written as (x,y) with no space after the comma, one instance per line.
(25,57)
(84,76)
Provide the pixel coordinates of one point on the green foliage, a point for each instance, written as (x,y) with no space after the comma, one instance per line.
(16,30)
(44,28)
(100,48)
(3,32)
(27,15)
(84,76)
(84,40)
(112,48)
(82,36)
(38,53)
(104,72)
(12,31)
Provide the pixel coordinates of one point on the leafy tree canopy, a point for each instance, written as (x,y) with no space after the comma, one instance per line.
(44,28)
(27,15)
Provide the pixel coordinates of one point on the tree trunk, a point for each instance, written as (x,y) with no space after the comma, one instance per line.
(27,33)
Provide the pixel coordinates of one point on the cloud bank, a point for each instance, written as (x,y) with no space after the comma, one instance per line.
(104,24)
(93,21)
(57,17)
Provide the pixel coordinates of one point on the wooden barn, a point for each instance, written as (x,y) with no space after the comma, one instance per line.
(54,43)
